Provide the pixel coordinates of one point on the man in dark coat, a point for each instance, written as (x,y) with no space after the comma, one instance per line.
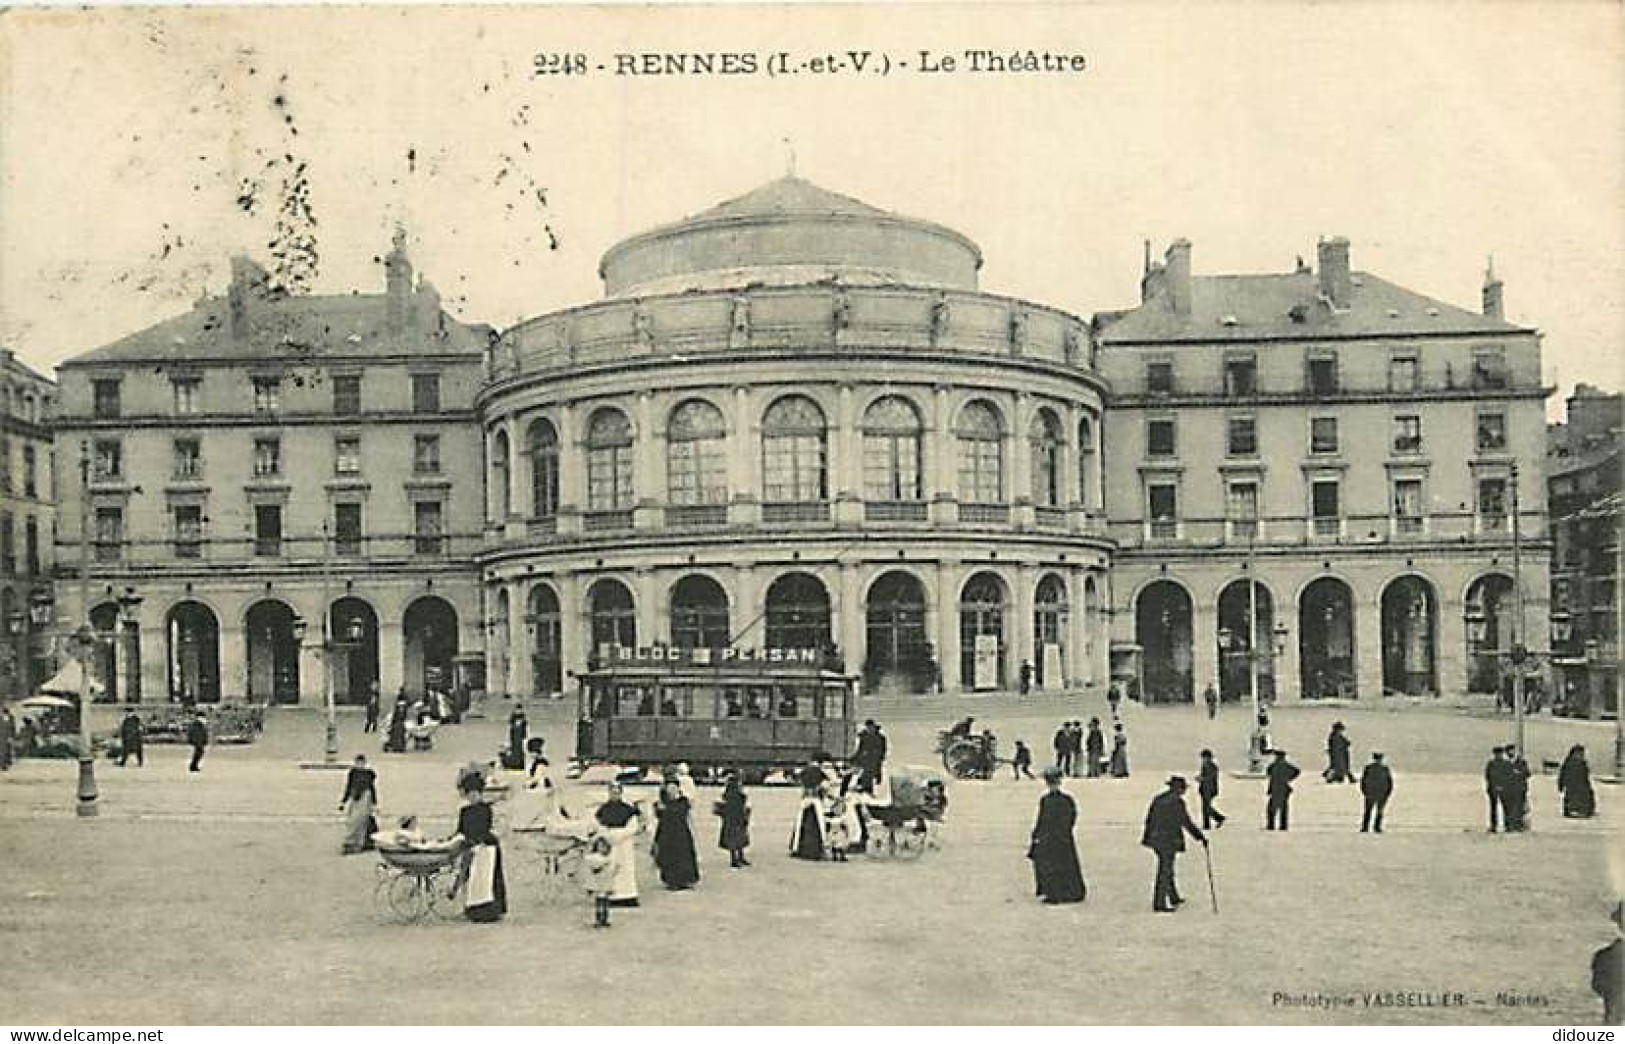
(1338,769)
(1497,774)
(1515,796)
(371,724)
(1095,748)
(130,740)
(197,734)
(1063,748)
(1052,850)
(1207,787)
(1376,784)
(870,757)
(1608,973)
(1167,822)
(1278,785)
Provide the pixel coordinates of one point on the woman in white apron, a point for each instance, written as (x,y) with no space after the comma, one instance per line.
(619,823)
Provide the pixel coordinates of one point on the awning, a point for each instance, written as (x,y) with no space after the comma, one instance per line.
(66,681)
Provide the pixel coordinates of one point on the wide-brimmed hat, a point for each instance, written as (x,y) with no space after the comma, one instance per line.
(1177,782)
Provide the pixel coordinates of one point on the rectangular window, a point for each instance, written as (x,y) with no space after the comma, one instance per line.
(267,394)
(1492,504)
(5,464)
(109,534)
(1408,434)
(426,393)
(188,530)
(1242,508)
(1162,503)
(1489,368)
(428,538)
(347,455)
(30,472)
(1159,378)
(8,545)
(186,395)
(1325,504)
(1402,373)
(267,458)
(1323,375)
(609,478)
(1492,432)
(1161,438)
(426,454)
(347,394)
(268,530)
(31,545)
(347,529)
(1408,515)
(981,471)
(1240,375)
(1323,435)
(188,459)
(107,461)
(105,398)
(1242,437)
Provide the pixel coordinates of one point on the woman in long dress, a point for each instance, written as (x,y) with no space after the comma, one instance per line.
(360,806)
(1058,876)
(619,823)
(485,894)
(674,839)
(735,814)
(1119,763)
(1574,783)
(395,738)
(807,840)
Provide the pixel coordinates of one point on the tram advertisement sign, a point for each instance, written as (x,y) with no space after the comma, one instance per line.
(612,655)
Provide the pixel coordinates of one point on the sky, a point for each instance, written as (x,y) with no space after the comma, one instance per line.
(140,149)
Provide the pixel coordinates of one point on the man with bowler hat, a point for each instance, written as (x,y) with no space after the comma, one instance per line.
(1167,822)
(1279,776)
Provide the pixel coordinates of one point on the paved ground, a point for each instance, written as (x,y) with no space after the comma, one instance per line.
(220,897)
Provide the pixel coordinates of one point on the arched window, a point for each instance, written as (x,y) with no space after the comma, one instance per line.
(1086,461)
(501,498)
(543,442)
(793,452)
(891,450)
(1045,437)
(609,462)
(611,615)
(981,454)
(699,614)
(696,468)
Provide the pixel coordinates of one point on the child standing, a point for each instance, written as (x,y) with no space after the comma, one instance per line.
(836,832)
(600,881)
(735,813)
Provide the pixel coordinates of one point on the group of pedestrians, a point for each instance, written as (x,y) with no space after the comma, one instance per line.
(1082,752)
(1506,781)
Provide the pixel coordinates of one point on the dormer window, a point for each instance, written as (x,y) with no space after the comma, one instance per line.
(1241,375)
(1489,369)
(1159,378)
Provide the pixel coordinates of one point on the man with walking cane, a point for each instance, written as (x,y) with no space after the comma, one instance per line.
(1167,822)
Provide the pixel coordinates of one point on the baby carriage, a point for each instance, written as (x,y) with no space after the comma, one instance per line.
(417,880)
(909,820)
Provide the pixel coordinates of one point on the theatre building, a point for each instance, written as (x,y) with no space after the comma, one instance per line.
(265,461)
(1355,449)
(795,421)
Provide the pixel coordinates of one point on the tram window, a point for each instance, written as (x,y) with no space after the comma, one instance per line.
(733,703)
(834,705)
(672,698)
(702,702)
(756,702)
(603,701)
(787,704)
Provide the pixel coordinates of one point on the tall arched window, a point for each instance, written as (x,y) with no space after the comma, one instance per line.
(793,452)
(543,442)
(609,461)
(1045,437)
(891,450)
(1086,462)
(501,488)
(981,454)
(696,468)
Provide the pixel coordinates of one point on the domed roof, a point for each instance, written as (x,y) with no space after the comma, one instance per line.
(789,231)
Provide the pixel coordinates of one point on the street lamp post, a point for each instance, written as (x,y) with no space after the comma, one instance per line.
(85,642)
(1519,654)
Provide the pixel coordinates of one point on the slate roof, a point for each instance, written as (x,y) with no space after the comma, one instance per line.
(301,326)
(1261,307)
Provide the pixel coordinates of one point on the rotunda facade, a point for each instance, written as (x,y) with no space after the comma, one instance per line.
(795,421)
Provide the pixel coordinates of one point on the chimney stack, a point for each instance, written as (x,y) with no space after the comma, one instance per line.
(1494,307)
(1177,263)
(248,282)
(1334,271)
(398,280)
